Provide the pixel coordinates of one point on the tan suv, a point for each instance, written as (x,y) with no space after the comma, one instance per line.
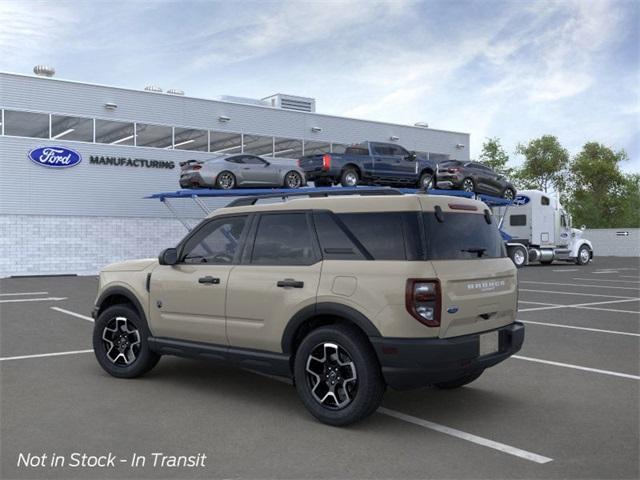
(345,295)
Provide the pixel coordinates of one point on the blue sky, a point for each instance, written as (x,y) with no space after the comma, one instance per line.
(515,69)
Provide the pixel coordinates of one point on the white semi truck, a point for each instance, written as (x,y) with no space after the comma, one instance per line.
(540,231)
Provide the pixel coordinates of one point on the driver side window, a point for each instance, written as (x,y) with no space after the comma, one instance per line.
(215,243)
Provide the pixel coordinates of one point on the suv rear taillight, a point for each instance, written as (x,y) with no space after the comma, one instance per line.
(299,162)
(453,170)
(326,161)
(422,299)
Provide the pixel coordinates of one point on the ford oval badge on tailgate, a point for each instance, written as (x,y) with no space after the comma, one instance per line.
(55,157)
(452,310)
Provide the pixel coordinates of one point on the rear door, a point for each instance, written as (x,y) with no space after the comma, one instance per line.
(478,282)
(278,276)
(384,161)
(187,300)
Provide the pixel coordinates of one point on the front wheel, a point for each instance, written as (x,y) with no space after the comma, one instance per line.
(337,375)
(426,181)
(459,382)
(518,256)
(120,343)
(509,194)
(293,179)
(349,178)
(584,255)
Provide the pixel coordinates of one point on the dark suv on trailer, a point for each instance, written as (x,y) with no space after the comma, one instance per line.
(474,177)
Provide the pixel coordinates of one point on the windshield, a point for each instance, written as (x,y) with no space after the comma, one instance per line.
(462,236)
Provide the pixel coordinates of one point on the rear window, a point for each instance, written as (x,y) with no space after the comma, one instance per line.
(462,236)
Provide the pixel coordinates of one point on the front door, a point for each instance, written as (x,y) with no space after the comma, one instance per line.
(187,300)
(257,171)
(278,277)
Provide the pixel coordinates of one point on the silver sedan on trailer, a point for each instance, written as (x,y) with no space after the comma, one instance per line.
(241,170)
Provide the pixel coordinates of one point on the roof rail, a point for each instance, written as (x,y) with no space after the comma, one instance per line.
(316,192)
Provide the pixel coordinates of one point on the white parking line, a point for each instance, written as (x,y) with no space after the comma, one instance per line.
(633,312)
(23,293)
(541,303)
(605,272)
(567,270)
(48,299)
(604,280)
(582,305)
(597,330)
(73,314)
(574,293)
(628,276)
(582,285)
(578,367)
(469,437)
(40,355)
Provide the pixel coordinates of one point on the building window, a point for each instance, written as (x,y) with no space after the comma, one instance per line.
(315,148)
(157,136)
(287,148)
(26,124)
(438,157)
(190,139)
(258,145)
(71,128)
(114,133)
(225,142)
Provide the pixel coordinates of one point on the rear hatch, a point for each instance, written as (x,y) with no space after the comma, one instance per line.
(478,283)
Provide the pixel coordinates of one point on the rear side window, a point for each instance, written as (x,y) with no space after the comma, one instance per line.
(336,242)
(385,235)
(283,239)
(518,220)
(462,236)
(356,151)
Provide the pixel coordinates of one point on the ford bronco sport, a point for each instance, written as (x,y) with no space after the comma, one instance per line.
(346,295)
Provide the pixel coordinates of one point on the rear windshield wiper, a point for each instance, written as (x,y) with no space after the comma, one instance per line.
(479,250)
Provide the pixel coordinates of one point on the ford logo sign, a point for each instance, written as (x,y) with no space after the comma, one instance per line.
(55,157)
(521,200)
(452,310)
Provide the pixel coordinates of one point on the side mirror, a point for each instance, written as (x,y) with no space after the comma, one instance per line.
(412,156)
(266,164)
(169,256)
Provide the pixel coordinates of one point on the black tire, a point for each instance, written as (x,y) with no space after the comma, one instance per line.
(292,180)
(508,194)
(584,255)
(426,181)
(225,180)
(144,359)
(349,177)
(518,256)
(468,185)
(459,382)
(323,182)
(365,390)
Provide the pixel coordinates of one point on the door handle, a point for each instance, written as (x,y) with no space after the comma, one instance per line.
(209,280)
(290,282)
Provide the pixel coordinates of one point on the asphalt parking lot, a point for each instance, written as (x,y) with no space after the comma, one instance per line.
(566,407)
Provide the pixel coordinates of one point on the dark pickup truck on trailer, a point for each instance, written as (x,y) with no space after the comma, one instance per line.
(370,163)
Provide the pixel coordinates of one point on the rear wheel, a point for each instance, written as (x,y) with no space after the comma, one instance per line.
(584,255)
(293,179)
(468,185)
(337,375)
(426,181)
(349,177)
(459,382)
(120,342)
(226,180)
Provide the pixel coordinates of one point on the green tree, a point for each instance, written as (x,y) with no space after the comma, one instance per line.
(494,156)
(544,165)
(600,195)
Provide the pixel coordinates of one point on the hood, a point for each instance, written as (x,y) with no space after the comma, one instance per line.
(130,265)
(576,233)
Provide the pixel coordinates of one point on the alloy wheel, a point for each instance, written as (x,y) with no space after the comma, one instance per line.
(508,194)
(467,185)
(122,341)
(293,180)
(331,376)
(518,257)
(584,255)
(226,181)
(351,179)
(427,182)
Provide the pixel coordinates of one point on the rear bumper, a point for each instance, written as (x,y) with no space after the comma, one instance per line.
(411,363)
(190,180)
(445,180)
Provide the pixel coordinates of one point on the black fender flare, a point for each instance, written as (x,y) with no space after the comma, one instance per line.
(122,291)
(330,309)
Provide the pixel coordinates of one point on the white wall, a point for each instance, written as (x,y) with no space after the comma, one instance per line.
(607,242)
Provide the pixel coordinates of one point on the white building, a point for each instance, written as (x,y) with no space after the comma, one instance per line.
(76,220)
